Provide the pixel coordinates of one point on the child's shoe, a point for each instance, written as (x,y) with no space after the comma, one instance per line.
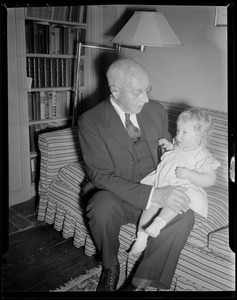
(139,244)
(155,227)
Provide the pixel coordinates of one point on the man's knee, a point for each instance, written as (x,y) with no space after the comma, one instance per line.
(103,204)
(188,219)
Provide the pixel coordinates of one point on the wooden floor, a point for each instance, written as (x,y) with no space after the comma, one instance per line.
(39,260)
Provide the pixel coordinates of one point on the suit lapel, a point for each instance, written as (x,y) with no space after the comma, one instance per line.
(149,129)
(116,127)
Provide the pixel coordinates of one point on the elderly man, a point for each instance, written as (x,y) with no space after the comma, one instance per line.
(119,139)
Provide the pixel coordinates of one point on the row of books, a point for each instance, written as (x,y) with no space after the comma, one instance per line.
(76,14)
(54,72)
(36,129)
(49,104)
(51,38)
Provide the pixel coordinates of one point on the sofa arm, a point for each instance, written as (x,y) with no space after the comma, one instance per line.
(57,149)
(74,175)
(218,241)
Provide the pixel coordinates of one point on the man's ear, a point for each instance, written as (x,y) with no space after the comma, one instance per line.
(114,91)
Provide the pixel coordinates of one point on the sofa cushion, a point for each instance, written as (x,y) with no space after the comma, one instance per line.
(74,175)
(206,269)
(217,216)
(218,241)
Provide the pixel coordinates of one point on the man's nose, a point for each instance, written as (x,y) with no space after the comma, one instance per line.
(145,97)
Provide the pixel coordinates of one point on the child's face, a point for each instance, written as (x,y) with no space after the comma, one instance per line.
(186,136)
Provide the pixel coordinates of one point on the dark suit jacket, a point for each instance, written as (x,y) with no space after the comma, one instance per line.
(108,153)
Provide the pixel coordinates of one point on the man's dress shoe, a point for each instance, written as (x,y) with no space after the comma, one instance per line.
(137,288)
(133,288)
(109,279)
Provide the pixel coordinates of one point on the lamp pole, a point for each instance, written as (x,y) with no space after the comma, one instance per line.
(76,100)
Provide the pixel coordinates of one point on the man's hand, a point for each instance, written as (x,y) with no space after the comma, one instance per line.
(172,197)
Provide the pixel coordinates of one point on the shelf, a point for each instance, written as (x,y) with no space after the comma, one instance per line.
(65,88)
(53,55)
(50,120)
(74,24)
(45,50)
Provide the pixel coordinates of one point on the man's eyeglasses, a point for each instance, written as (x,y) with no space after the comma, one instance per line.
(138,93)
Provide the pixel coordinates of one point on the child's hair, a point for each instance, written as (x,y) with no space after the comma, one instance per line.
(202,121)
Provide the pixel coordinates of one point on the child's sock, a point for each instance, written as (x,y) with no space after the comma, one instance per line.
(156,226)
(140,243)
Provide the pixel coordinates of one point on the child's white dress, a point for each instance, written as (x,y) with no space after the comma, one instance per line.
(199,160)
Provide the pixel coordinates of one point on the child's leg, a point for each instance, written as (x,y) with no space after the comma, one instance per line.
(165,216)
(141,240)
(146,216)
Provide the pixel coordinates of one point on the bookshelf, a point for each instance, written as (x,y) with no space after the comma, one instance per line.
(52,35)
(42,43)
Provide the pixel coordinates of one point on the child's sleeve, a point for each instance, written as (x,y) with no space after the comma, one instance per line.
(149,179)
(207,163)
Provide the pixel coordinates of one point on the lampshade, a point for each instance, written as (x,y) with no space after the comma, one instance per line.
(147,29)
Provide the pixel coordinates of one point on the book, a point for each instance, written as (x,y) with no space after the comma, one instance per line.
(35,82)
(32,138)
(30,106)
(72,40)
(59,103)
(69,103)
(50,101)
(51,38)
(33,168)
(42,105)
(37,105)
(81,74)
(57,40)
(47,72)
(54,105)
(65,41)
(82,14)
(41,73)
(27,30)
(46,105)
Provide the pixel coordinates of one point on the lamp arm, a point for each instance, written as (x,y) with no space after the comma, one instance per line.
(76,100)
(100,47)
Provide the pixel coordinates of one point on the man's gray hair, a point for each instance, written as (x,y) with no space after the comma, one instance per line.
(120,68)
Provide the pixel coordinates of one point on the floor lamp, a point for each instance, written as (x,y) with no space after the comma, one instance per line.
(76,100)
(144,29)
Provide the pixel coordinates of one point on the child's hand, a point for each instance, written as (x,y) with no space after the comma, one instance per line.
(166,144)
(182,173)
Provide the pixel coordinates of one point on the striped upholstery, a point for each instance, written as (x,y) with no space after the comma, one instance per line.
(57,149)
(74,175)
(217,242)
(207,269)
(206,262)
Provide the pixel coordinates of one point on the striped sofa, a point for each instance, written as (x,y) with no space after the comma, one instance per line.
(206,262)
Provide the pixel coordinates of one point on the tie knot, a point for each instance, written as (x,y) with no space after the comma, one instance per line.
(127,116)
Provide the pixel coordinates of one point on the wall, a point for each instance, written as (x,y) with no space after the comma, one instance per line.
(195,73)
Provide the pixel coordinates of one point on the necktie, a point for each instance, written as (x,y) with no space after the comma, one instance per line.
(133,132)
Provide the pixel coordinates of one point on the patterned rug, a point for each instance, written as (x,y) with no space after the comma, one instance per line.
(84,283)
(88,282)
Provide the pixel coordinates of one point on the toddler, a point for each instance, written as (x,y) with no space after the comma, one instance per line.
(186,162)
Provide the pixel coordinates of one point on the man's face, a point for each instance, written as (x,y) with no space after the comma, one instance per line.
(132,91)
